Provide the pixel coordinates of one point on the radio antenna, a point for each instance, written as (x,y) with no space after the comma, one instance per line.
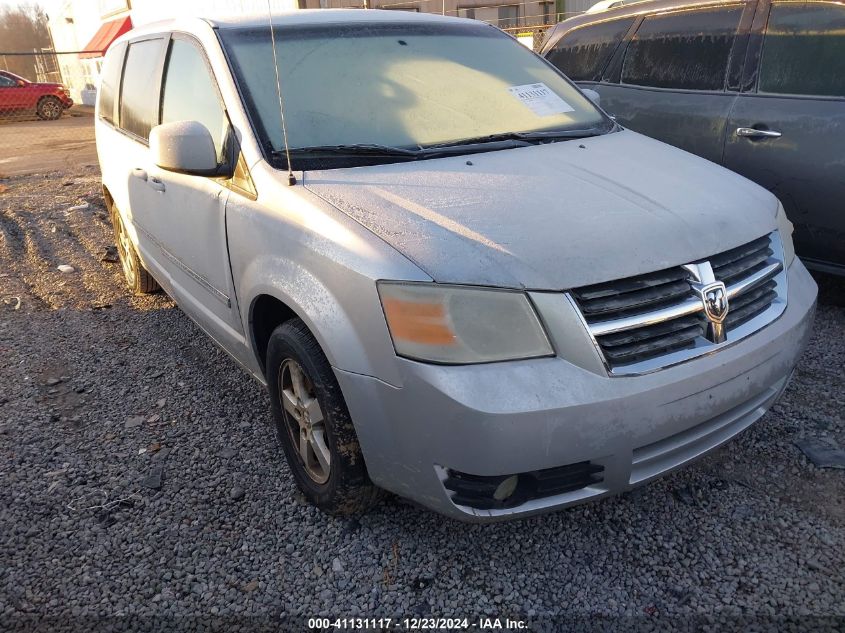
(291,177)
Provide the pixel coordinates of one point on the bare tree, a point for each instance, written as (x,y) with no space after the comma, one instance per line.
(23,29)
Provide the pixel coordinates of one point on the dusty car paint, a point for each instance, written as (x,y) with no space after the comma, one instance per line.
(468,223)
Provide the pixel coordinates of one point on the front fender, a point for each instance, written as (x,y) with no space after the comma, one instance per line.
(347,322)
(323,266)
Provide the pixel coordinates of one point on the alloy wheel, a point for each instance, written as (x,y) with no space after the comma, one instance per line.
(124,247)
(304,420)
(51,109)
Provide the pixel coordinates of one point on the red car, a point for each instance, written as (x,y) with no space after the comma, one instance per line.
(17,95)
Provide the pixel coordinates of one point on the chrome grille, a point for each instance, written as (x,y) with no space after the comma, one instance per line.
(651,321)
(753,302)
(633,295)
(738,263)
(652,340)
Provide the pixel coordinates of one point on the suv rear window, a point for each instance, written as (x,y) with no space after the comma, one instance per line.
(804,50)
(684,50)
(139,92)
(583,53)
(110,82)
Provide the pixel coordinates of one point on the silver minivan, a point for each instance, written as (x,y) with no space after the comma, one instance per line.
(459,279)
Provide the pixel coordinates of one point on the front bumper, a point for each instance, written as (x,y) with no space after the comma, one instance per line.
(516,417)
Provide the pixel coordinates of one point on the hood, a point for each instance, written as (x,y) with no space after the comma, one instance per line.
(553,216)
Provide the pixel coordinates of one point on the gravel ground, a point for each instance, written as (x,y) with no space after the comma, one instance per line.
(100,393)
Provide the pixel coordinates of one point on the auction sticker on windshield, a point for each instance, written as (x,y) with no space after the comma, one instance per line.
(540,99)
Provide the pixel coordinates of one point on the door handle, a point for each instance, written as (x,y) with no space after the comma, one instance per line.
(140,174)
(750,132)
(156,184)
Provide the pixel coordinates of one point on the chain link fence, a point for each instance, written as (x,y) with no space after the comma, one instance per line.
(46,85)
(46,112)
(531,36)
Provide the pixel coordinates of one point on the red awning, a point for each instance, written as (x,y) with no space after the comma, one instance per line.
(103,38)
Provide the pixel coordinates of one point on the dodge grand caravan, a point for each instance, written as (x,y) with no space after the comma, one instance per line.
(459,279)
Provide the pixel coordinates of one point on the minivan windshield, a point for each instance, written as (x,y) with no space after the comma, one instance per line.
(366,93)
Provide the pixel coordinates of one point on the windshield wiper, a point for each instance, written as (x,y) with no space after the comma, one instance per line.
(489,143)
(368,152)
(350,150)
(371,149)
(549,135)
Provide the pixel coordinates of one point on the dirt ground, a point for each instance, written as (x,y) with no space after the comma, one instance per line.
(42,146)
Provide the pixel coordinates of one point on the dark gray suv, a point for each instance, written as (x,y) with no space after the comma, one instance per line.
(757,86)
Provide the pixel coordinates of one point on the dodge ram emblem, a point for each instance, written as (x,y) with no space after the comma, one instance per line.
(715,298)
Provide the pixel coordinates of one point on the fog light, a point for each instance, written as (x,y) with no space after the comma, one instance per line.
(506,488)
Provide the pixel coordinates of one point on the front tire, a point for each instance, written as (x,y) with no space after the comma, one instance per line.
(49,109)
(313,424)
(138,278)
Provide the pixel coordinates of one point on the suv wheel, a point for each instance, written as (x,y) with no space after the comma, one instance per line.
(49,108)
(140,281)
(313,424)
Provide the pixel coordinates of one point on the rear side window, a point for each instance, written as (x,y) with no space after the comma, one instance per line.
(804,50)
(583,53)
(110,82)
(139,92)
(190,94)
(686,50)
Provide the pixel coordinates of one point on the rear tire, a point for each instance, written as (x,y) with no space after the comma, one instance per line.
(49,109)
(138,278)
(313,424)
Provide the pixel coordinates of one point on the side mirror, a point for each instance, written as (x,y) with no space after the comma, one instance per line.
(185,147)
(592,95)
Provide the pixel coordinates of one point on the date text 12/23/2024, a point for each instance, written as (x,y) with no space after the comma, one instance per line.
(418,624)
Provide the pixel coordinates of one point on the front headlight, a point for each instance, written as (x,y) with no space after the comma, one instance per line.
(461,324)
(785,230)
